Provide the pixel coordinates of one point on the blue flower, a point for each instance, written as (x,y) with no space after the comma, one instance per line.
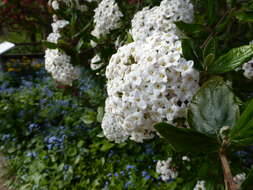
(31,154)
(144,173)
(128,167)
(5,137)
(127,184)
(66,167)
(32,126)
(116,174)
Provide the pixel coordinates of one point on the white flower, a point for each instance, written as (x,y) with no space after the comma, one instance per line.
(55,5)
(53,37)
(200,185)
(58,25)
(248,68)
(96,63)
(144,87)
(161,18)
(107,17)
(186,158)
(165,169)
(239,178)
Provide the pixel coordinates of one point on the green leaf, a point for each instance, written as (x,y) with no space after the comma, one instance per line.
(187,140)
(209,59)
(210,48)
(100,114)
(89,117)
(107,146)
(79,45)
(50,45)
(248,183)
(242,133)
(213,107)
(232,59)
(246,16)
(190,53)
(190,28)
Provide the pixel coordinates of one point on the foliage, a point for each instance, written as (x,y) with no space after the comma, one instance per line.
(48,134)
(24,16)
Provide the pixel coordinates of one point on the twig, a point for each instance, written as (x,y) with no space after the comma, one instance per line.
(228,177)
(213,33)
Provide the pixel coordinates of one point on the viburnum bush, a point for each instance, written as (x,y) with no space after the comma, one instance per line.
(177,73)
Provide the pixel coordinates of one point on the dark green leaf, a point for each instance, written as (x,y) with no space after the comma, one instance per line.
(209,59)
(232,59)
(213,107)
(210,48)
(211,11)
(242,133)
(189,52)
(187,140)
(190,28)
(248,183)
(50,45)
(79,45)
(246,16)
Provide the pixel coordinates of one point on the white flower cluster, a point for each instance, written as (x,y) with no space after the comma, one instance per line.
(165,169)
(161,18)
(55,4)
(248,68)
(107,17)
(239,178)
(57,62)
(200,185)
(148,82)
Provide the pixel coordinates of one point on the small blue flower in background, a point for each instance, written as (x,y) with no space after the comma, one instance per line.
(127,184)
(128,167)
(55,142)
(48,92)
(32,126)
(111,153)
(146,175)
(32,154)
(27,84)
(5,137)
(66,167)
(122,173)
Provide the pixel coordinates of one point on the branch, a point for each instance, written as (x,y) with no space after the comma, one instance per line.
(228,177)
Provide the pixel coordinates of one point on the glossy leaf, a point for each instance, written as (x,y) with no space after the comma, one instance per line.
(232,59)
(187,140)
(242,133)
(213,107)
